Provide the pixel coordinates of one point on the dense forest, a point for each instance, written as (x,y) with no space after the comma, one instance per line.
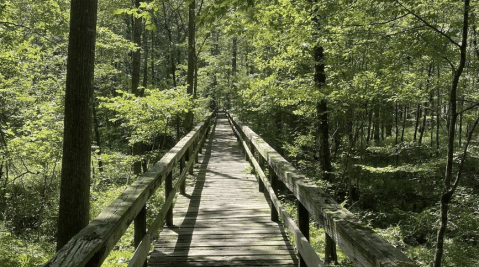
(376,100)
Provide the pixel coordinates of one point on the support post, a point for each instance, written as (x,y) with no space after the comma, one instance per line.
(303,224)
(183,184)
(190,155)
(260,183)
(197,143)
(168,188)
(273,179)
(200,137)
(140,228)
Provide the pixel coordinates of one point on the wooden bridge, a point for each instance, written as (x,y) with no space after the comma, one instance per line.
(224,215)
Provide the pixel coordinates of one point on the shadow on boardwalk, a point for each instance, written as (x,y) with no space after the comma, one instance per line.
(222,220)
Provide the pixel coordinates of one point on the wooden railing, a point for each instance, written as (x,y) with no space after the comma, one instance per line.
(91,246)
(361,244)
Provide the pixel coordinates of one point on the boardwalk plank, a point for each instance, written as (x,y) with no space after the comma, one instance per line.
(222,220)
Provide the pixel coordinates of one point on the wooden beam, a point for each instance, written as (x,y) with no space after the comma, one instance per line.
(363,246)
(302,244)
(92,245)
(141,253)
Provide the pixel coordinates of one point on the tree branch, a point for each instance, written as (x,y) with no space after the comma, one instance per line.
(428,25)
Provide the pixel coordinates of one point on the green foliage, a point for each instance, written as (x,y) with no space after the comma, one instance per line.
(149,115)
(21,253)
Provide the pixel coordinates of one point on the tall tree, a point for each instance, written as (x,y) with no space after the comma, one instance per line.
(450,184)
(323,127)
(75,177)
(135,77)
(191,60)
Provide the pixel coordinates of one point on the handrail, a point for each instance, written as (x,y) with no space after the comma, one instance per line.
(91,246)
(363,246)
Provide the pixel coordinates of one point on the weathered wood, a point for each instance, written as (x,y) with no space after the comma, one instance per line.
(273,179)
(141,253)
(303,225)
(182,167)
(163,214)
(190,158)
(168,192)
(140,227)
(302,243)
(362,245)
(260,182)
(222,216)
(92,245)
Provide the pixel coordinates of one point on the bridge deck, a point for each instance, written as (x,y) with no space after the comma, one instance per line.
(222,220)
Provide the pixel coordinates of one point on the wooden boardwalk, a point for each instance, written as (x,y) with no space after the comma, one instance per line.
(222,220)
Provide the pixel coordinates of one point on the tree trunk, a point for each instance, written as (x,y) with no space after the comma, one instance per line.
(416,125)
(431,101)
(97,136)
(191,61)
(396,121)
(423,126)
(135,79)
(171,57)
(145,61)
(438,114)
(234,56)
(448,190)
(461,103)
(75,173)
(323,134)
(388,118)
(377,123)
(404,123)
(370,115)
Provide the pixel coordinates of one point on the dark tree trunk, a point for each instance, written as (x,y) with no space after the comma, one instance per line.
(144,163)
(323,134)
(145,61)
(135,79)
(370,120)
(449,186)
(388,118)
(416,125)
(461,103)
(423,126)
(425,108)
(97,136)
(234,57)
(152,61)
(396,121)
(171,53)
(431,101)
(75,177)
(438,112)
(404,123)
(191,61)
(377,123)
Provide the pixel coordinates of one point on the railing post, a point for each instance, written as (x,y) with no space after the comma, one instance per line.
(247,145)
(260,182)
(200,137)
(140,228)
(330,254)
(168,188)
(190,155)
(182,167)
(197,143)
(273,179)
(303,225)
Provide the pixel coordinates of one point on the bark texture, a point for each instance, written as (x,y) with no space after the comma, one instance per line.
(75,176)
